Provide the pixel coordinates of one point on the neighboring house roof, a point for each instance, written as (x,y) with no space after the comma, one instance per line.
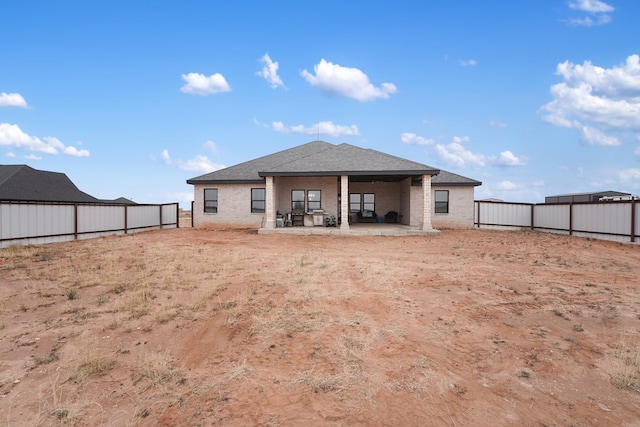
(319,158)
(594,193)
(119,201)
(23,183)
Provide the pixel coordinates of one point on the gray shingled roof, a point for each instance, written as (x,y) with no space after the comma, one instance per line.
(452,179)
(23,183)
(319,158)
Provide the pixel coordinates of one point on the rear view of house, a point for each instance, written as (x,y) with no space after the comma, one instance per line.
(322,184)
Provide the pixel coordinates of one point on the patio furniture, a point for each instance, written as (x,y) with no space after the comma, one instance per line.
(391,217)
(297,218)
(367,216)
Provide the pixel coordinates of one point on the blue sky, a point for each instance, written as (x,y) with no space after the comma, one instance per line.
(132,98)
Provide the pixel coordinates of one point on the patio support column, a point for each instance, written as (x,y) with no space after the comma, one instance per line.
(426,203)
(344,202)
(270,208)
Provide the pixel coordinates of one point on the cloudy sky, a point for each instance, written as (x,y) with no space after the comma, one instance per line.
(132,98)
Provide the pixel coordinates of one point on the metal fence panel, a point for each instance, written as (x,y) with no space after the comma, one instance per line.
(551,217)
(505,215)
(143,216)
(33,222)
(609,218)
(169,215)
(618,221)
(92,218)
(20,220)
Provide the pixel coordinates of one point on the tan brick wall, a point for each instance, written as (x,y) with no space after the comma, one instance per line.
(234,206)
(387,194)
(234,201)
(460,208)
(328,185)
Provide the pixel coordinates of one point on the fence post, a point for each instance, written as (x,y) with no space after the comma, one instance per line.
(570,219)
(532,216)
(160,215)
(633,221)
(177,215)
(126,216)
(477,216)
(75,221)
(192,202)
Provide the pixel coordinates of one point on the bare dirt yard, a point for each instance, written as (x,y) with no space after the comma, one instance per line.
(226,327)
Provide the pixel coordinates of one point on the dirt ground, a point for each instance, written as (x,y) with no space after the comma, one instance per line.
(226,327)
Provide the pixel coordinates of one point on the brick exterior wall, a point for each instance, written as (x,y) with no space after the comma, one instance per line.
(234,201)
(460,208)
(234,205)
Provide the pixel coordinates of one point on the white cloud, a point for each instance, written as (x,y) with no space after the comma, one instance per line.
(597,8)
(165,156)
(322,128)
(591,6)
(497,124)
(586,21)
(413,139)
(210,146)
(198,163)
(10,154)
(350,82)
(270,72)
(597,101)
(637,151)
(468,63)
(32,157)
(12,100)
(507,158)
(455,154)
(199,84)
(506,185)
(73,151)
(593,136)
(13,136)
(461,139)
(629,175)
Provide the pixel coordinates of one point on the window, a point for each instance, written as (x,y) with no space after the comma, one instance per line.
(257,200)
(314,199)
(297,200)
(442,201)
(211,200)
(369,202)
(354,202)
(362,202)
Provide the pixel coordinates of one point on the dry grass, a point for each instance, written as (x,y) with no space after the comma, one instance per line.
(191,329)
(93,366)
(157,370)
(623,364)
(238,370)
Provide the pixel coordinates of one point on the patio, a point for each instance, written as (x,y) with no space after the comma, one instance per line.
(368,229)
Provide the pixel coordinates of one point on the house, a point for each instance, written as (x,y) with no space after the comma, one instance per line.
(25,184)
(319,183)
(22,183)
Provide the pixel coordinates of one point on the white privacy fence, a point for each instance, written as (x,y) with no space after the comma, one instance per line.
(617,221)
(32,222)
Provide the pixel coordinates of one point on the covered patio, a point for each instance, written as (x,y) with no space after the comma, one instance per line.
(373,229)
